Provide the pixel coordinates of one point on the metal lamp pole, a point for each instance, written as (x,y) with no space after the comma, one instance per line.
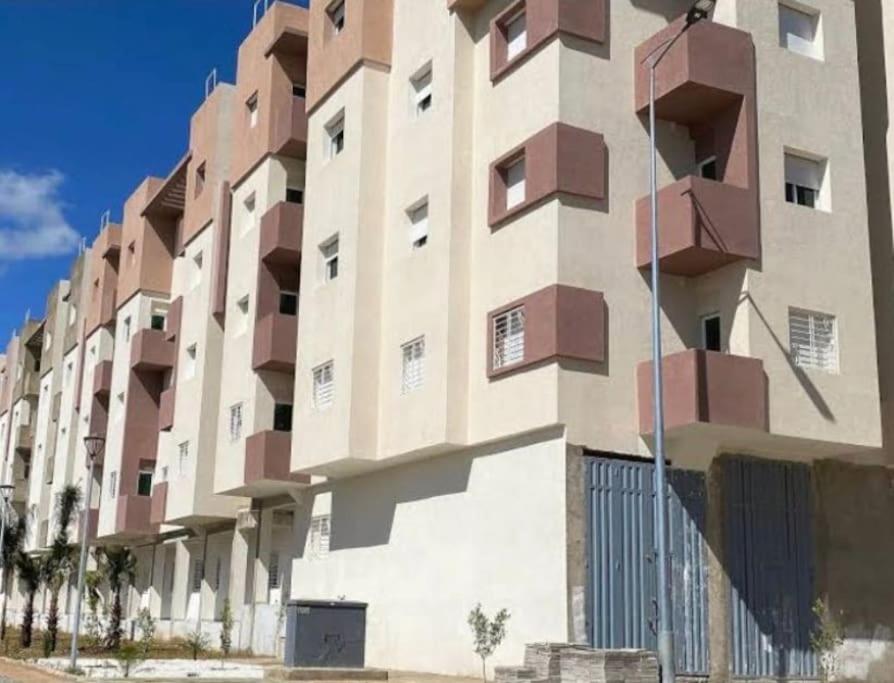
(93,445)
(698,12)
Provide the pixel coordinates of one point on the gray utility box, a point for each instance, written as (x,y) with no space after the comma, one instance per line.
(321,633)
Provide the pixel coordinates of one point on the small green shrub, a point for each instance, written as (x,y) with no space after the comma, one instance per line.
(226,629)
(197,643)
(826,638)
(146,624)
(128,654)
(488,633)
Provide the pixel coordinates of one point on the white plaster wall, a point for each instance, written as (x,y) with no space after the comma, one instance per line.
(423,543)
(38,506)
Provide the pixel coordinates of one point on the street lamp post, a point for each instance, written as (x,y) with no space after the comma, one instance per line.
(699,11)
(93,445)
(5,492)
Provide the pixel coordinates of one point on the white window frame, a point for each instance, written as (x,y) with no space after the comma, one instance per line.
(125,329)
(516,183)
(423,95)
(252,105)
(113,483)
(335,136)
(509,338)
(329,262)
(516,31)
(319,536)
(323,386)
(802,169)
(419,223)
(250,204)
(412,366)
(182,456)
(813,340)
(192,359)
(274,579)
(801,29)
(337,16)
(236,418)
(198,262)
(242,316)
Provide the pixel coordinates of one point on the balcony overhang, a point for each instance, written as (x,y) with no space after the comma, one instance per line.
(267,466)
(288,127)
(108,243)
(281,232)
(102,379)
(159,503)
(704,225)
(169,199)
(708,68)
(706,388)
(166,409)
(151,352)
(132,520)
(275,343)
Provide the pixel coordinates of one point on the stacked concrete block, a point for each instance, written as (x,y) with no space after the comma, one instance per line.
(563,663)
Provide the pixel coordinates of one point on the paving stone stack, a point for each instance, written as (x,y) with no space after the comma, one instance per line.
(563,663)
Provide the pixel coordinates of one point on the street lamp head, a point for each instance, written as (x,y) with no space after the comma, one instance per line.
(6,491)
(700,10)
(94,445)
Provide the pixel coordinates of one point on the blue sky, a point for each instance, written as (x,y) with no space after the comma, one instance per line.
(94,96)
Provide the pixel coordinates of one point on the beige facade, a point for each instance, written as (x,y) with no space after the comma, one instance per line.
(365,337)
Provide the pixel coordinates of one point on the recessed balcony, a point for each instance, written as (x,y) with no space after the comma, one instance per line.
(281,232)
(704,224)
(132,519)
(267,464)
(706,388)
(275,343)
(708,68)
(166,409)
(150,351)
(159,503)
(102,378)
(108,243)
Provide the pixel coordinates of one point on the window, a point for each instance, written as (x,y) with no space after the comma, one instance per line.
(198,573)
(132,254)
(69,372)
(324,390)
(711,332)
(804,182)
(144,481)
(319,536)
(800,31)
(48,340)
(119,412)
(329,255)
(242,317)
(509,337)
(335,134)
(516,30)
(197,262)
(299,90)
(412,374)
(273,571)
(189,368)
(336,14)
(157,321)
(217,568)
(236,422)
(250,216)
(72,314)
(288,303)
(708,168)
(422,91)
(126,329)
(183,460)
(419,225)
(282,417)
(294,195)
(200,178)
(515,183)
(113,483)
(252,106)
(813,340)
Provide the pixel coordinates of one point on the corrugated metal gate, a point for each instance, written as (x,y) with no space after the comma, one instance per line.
(622,553)
(769,550)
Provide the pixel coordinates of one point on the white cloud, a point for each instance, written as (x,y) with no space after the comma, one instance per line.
(31,220)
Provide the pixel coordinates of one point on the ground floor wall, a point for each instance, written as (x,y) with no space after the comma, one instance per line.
(423,543)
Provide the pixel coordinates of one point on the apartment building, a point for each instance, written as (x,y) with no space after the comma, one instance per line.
(382,334)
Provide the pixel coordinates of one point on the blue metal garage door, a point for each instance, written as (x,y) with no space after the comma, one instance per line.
(769,550)
(622,553)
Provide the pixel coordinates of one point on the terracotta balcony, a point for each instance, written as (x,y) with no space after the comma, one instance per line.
(288,126)
(166,410)
(267,461)
(159,503)
(92,524)
(275,343)
(150,351)
(133,516)
(102,378)
(24,438)
(705,387)
(707,69)
(108,243)
(30,384)
(281,231)
(175,314)
(703,225)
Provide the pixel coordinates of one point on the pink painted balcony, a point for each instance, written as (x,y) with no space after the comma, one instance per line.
(703,225)
(275,343)
(108,243)
(288,127)
(175,314)
(133,516)
(708,68)
(102,378)
(705,387)
(267,460)
(166,410)
(281,231)
(150,351)
(159,503)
